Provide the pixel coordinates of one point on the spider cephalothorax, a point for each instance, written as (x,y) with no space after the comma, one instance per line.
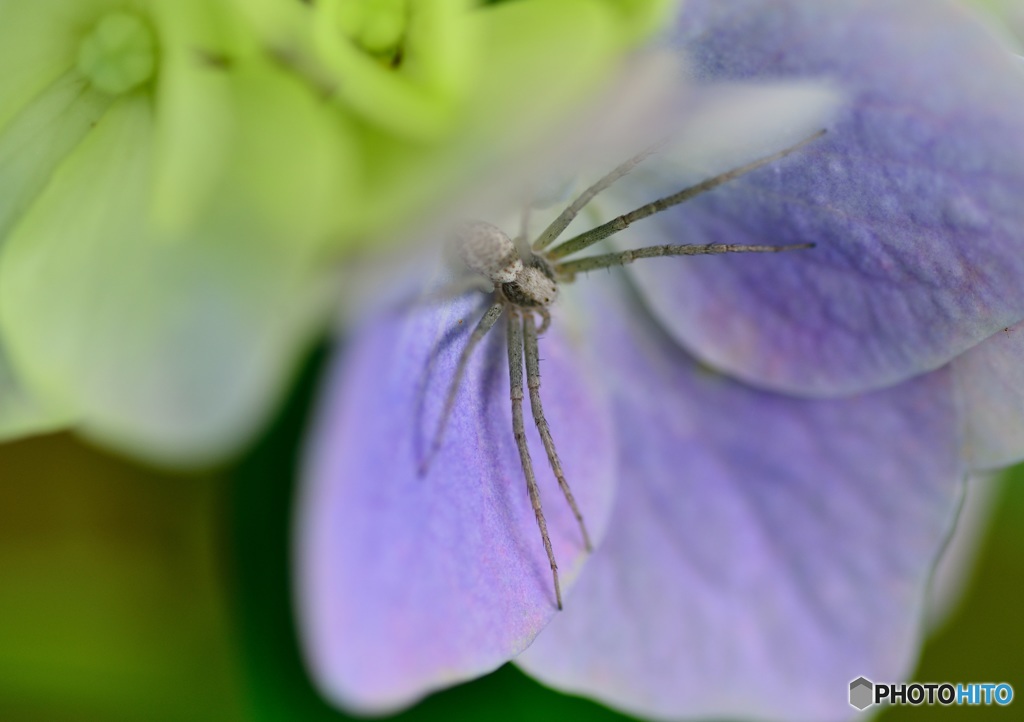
(523,278)
(527,285)
(534,287)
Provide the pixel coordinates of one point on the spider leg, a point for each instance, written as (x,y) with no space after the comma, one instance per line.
(522,241)
(515,372)
(545,320)
(588,238)
(454,289)
(567,270)
(554,230)
(533,384)
(485,324)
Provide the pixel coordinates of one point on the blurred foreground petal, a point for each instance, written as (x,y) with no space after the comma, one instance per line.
(21,412)
(954,574)
(38,44)
(990,378)
(39,137)
(175,347)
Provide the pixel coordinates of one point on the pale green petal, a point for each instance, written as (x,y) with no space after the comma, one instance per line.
(292,159)
(419,97)
(520,90)
(473,86)
(38,44)
(22,413)
(226,116)
(35,142)
(160,273)
(376,25)
(441,46)
(195,116)
(539,61)
(273,19)
(175,348)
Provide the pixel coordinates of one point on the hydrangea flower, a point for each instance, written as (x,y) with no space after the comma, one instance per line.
(769,451)
(180,179)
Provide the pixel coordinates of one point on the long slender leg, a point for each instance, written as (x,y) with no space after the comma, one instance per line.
(545,323)
(533,384)
(448,292)
(554,230)
(454,289)
(568,269)
(522,240)
(485,324)
(515,372)
(583,240)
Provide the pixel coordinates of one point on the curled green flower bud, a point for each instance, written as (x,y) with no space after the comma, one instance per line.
(119,54)
(377,26)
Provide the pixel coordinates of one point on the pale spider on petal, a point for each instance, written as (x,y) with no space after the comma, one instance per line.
(524,279)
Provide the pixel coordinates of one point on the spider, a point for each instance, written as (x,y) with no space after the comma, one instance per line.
(523,279)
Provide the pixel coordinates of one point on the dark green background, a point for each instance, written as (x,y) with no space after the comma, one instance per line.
(131,594)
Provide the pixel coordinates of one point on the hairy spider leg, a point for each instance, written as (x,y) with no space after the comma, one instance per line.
(533,384)
(545,323)
(588,238)
(517,327)
(567,270)
(455,289)
(522,241)
(554,230)
(515,373)
(485,324)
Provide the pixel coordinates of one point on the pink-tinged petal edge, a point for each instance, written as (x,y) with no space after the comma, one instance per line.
(913,199)
(406,584)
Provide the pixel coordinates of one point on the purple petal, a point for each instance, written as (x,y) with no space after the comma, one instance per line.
(408,583)
(764,550)
(913,199)
(990,379)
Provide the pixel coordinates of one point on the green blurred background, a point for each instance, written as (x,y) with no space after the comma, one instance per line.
(133,594)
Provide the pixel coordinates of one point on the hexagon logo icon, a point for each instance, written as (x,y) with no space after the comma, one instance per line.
(861,693)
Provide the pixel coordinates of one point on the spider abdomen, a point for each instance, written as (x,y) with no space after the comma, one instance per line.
(489,251)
